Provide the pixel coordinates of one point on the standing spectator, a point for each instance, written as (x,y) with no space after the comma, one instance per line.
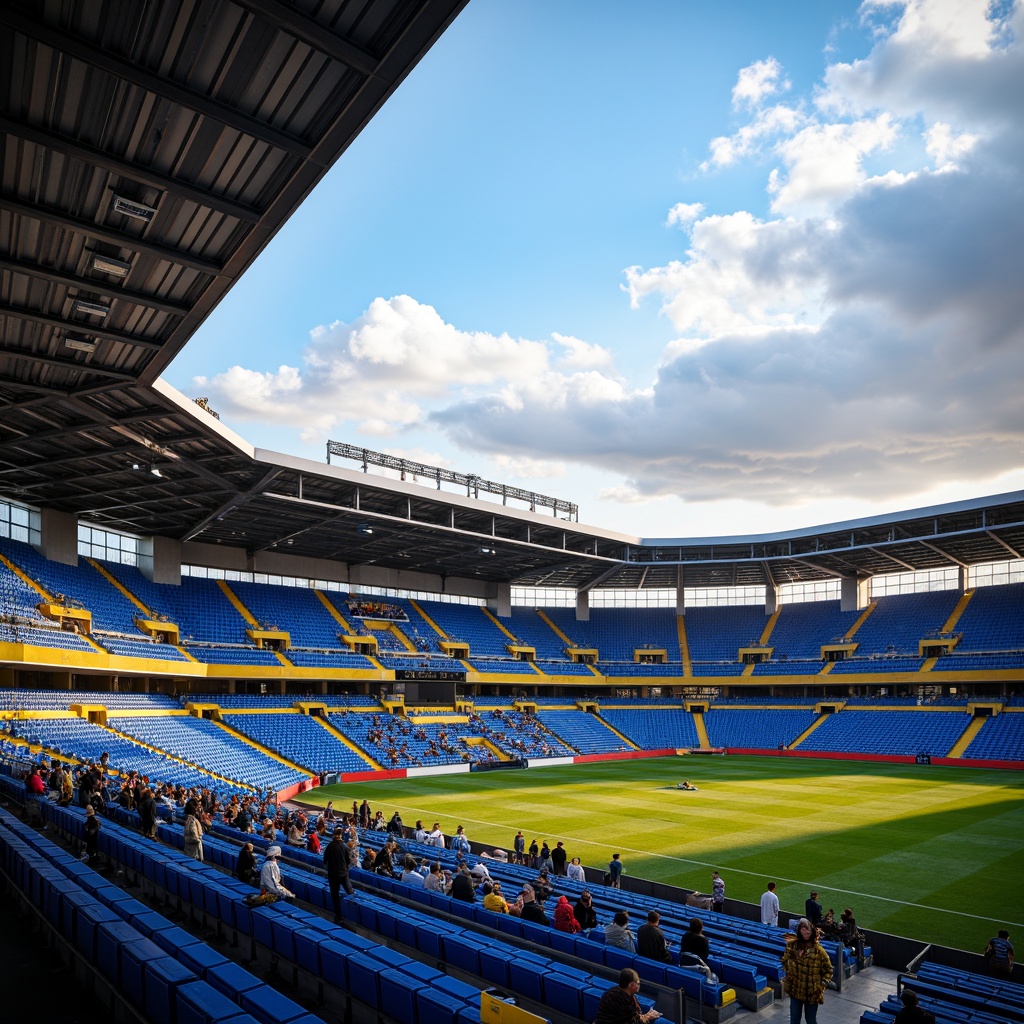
(808,972)
(717,892)
(534,855)
(545,857)
(619,1005)
(193,831)
(558,858)
(651,941)
(812,910)
(92,834)
(770,906)
(912,1012)
(147,813)
(999,953)
(436,836)
(420,833)
(519,848)
(615,872)
(618,934)
(584,911)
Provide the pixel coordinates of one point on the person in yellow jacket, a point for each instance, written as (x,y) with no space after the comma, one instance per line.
(494,901)
(808,972)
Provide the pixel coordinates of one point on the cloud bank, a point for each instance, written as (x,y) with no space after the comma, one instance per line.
(863,339)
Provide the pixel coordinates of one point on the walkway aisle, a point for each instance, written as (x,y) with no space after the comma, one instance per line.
(862,992)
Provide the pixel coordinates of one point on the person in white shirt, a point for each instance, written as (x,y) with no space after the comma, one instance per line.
(574,871)
(436,836)
(270,875)
(420,835)
(770,906)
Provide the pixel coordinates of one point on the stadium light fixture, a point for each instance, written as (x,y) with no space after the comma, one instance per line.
(132,208)
(108,265)
(91,308)
(72,341)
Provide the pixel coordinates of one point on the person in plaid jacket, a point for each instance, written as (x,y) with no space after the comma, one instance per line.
(808,972)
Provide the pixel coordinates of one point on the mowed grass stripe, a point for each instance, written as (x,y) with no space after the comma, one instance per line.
(911,848)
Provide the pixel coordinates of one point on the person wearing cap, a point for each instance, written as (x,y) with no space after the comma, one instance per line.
(336,863)
(619,1004)
(584,911)
(270,876)
(558,858)
(574,871)
(494,901)
(529,908)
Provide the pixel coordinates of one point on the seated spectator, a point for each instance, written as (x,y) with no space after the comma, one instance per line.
(564,918)
(584,911)
(495,901)
(695,941)
(618,934)
(912,1012)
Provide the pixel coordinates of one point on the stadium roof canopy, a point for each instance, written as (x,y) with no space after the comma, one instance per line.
(150,152)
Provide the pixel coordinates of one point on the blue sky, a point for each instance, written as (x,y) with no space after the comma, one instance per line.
(701,268)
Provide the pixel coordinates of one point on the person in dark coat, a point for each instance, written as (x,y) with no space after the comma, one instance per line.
(651,941)
(245,868)
(585,912)
(912,1012)
(147,813)
(559,858)
(462,886)
(336,861)
(619,1004)
(694,940)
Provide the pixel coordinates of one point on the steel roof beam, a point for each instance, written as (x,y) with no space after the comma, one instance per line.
(93,284)
(24,355)
(60,219)
(78,326)
(89,53)
(313,33)
(126,169)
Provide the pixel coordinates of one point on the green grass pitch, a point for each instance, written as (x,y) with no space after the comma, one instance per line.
(926,852)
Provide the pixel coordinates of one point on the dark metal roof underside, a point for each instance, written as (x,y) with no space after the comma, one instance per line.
(220,116)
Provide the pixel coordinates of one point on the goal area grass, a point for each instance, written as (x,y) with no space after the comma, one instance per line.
(927,852)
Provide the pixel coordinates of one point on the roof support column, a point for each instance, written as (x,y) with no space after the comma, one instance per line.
(680,591)
(853,594)
(583,606)
(771,598)
(59,532)
(500,601)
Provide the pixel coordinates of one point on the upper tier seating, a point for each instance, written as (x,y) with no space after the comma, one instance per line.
(802,628)
(889,732)
(993,620)
(899,622)
(534,632)
(617,632)
(297,610)
(36,637)
(717,634)
(471,625)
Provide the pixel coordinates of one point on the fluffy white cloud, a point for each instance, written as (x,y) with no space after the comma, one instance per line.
(683,214)
(758,80)
(864,340)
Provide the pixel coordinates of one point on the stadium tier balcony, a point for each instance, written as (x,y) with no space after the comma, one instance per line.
(469,624)
(717,634)
(1001,738)
(899,622)
(878,663)
(61,700)
(993,620)
(618,632)
(534,632)
(296,610)
(788,668)
(213,654)
(802,628)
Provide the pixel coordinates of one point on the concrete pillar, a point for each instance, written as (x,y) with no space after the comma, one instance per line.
(680,591)
(853,594)
(771,598)
(59,536)
(963,578)
(583,606)
(160,560)
(499,602)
